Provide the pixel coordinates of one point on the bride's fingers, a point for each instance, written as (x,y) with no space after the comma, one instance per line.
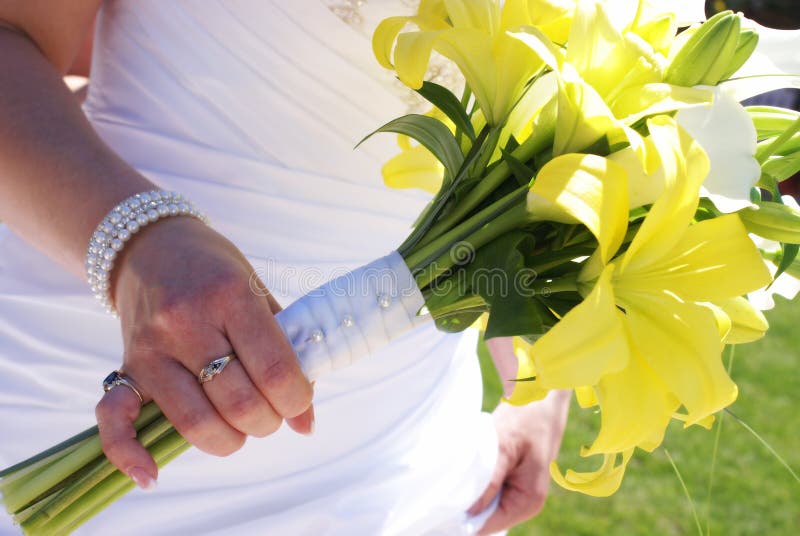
(303,423)
(268,358)
(116,412)
(240,403)
(183,401)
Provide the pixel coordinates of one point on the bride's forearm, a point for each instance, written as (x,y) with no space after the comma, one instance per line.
(57,177)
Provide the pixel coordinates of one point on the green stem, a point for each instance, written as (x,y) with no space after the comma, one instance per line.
(106,491)
(763,155)
(18,495)
(500,216)
(685,492)
(540,139)
(568,283)
(96,472)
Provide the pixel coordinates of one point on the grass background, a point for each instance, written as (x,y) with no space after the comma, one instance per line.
(752,492)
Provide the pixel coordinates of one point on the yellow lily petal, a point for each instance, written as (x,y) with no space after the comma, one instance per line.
(479,14)
(635,102)
(681,342)
(644,187)
(471,50)
(384,37)
(525,392)
(412,55)
(635,406)
(685,166)
(748,324)
(583,116)
(597,49)
(415,167)
(586,396)
(541,45)
(601,483)
(584,188)
(515,65)
(587,343)
(712,260)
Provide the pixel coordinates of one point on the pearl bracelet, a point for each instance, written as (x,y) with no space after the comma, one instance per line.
(125,220)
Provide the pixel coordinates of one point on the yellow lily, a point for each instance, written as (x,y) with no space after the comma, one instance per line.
(471,33)
(646,337)
(414,167)
(611,74)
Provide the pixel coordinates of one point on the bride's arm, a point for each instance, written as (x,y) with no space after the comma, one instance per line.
(181,289)
(57,178)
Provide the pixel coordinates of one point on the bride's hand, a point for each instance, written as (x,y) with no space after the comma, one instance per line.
(184,298)
(529,438)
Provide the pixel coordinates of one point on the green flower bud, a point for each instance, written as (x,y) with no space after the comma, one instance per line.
(706,55)
(748,39)
(773,221)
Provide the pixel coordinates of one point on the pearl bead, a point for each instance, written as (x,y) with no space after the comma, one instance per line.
(115,217)
(133,226)
(348,321)
(152,215)
(106,265)
(144,197)
(134,202)
(99,237)
(384,301)
(183,208)
(91,260)
(107,227)
(124,210)
(142,220)
(173,209)
(124,235)
(109,254)
(117,244)
(163,210)
(317,336)
(155,195)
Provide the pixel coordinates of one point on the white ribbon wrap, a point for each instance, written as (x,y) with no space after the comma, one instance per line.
(353,316)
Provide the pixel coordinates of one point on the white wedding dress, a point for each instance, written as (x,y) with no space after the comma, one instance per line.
(251,108)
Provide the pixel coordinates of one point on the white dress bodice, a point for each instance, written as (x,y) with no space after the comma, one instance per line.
(252,108)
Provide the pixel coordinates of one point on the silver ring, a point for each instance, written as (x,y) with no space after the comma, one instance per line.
(116,378)
(215,367)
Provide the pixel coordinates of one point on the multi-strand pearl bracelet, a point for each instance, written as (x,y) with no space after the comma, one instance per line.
(125,220)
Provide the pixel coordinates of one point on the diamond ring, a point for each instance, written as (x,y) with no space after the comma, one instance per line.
(215,367)
(116,378)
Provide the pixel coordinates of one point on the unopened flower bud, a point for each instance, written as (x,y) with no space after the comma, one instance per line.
(773,221)
(745,46)
(706,55)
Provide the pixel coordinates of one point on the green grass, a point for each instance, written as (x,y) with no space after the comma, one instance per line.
(752,492)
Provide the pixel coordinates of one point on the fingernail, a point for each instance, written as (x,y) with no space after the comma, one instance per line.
(142,478)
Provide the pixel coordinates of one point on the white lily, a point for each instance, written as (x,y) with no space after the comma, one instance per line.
(726,132)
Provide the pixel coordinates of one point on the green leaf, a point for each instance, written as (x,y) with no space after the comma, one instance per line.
(521,172)
(788,255)
(499,275)
(433,135)
(443,98)
(782,167)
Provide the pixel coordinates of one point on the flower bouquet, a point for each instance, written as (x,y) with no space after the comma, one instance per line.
(595,190)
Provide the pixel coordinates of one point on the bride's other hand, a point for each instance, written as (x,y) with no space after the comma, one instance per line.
(529,438)
(184,297)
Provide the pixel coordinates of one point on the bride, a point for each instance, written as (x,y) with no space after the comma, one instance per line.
(249,109)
